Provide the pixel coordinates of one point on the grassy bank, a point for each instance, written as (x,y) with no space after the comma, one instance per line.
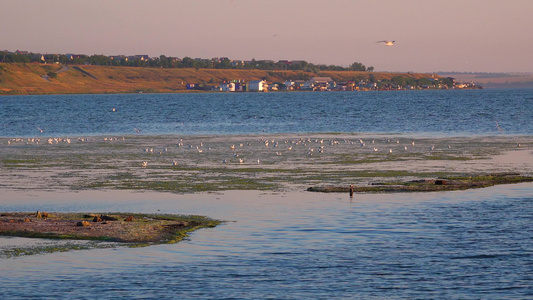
(30,79)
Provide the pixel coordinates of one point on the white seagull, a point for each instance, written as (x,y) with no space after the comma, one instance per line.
(387,43)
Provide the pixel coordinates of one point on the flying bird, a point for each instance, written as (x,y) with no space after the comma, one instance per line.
(387,43)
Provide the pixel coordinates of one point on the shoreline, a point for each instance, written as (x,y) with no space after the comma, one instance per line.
(35,79)
(108,230)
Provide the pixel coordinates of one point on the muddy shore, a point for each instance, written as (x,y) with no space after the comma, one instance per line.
(181,164)
(138,229)
(273,163)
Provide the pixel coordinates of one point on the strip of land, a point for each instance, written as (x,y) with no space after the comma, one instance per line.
(138,229)
(265,162)
(429,185)
(33,79)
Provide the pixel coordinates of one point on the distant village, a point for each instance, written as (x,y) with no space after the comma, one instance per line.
(322,84)
(238,85)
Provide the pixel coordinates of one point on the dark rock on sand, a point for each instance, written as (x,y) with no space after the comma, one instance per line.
(83,224)
(108,218)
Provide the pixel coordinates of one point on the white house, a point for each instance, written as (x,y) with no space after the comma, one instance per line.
(227,87)
(257,86)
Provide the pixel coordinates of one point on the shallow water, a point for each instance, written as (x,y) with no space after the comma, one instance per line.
(441,112)
(453,245)
(294,245)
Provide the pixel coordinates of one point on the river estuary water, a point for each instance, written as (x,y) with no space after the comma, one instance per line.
(474,244)
(446,112)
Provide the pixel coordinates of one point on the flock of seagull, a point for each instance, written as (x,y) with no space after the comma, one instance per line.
(267,148)
(55,140)
(274,147)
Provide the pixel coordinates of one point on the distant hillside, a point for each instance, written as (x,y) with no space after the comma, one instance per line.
(25,79)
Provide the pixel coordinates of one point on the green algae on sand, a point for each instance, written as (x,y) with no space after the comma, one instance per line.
(430,185)
(125,228)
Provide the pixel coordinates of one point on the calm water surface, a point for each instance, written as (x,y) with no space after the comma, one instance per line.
(474,244)
(450,112)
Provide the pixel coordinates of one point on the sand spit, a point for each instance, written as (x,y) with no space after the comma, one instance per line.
(429,185)
(112,227)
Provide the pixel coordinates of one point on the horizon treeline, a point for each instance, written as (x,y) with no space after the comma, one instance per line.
(172,62)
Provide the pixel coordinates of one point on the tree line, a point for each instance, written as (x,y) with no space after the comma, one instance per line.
(171,62)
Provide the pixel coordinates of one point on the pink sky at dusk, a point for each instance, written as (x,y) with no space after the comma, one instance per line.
(451,35)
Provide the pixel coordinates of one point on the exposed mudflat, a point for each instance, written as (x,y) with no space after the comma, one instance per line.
(429,185)
(184,164)
(114,227)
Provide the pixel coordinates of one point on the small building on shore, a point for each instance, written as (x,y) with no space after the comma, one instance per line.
(227,87)
(320,84)
(257,86)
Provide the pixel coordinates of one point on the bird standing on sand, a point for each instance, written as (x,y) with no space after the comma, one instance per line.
(387,43)
(498,127)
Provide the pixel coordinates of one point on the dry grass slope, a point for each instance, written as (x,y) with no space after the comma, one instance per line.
(26,79)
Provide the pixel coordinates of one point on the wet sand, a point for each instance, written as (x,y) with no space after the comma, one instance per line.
(181,164)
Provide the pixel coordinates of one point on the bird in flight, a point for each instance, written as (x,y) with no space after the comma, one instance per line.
(387,43)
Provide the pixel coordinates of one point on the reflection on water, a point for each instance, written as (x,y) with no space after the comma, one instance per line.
(467,244)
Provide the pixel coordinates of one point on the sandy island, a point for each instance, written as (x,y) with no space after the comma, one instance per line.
(112,227)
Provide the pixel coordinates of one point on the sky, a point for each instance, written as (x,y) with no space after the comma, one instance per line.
(429,35)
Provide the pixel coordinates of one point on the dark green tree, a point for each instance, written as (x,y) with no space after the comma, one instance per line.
(399,80)
(356,66)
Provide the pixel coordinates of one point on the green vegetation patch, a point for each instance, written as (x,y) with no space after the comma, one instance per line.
(427,185)
(129,229)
